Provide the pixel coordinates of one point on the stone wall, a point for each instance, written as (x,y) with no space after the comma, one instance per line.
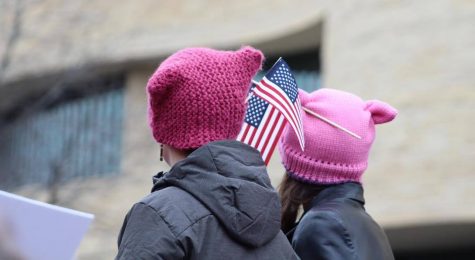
(419,57)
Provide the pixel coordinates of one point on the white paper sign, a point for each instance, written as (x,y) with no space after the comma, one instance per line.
(42,231)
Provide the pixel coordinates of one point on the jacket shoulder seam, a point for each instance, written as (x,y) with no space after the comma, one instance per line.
(161,217)
(192,224)
(177,235)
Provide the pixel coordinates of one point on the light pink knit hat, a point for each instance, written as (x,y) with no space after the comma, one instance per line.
(197,95)
(331,155)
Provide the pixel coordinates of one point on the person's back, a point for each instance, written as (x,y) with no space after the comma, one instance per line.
(232,214)
(338,212)
(216,202)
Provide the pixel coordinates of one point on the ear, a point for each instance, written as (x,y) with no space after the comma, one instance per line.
(380,112)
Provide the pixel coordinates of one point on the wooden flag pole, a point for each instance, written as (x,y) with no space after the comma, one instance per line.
(331,122)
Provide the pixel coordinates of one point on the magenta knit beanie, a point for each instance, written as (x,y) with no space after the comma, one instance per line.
(331,155)
(197,95)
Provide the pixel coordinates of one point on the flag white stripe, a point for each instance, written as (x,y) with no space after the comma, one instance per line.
(273,136)
(259,130)
(300,110)
(298,106)
(243,128)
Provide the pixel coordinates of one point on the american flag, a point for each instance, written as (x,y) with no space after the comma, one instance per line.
(273,101)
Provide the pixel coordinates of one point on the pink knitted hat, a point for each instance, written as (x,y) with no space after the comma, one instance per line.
(197,95)
(331,155)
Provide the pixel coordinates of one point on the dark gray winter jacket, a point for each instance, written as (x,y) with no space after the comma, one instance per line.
(337,227)
(217,203)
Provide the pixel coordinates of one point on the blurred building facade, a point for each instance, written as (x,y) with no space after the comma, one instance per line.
(73,105)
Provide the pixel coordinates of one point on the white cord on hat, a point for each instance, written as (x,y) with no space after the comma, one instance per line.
(328,121)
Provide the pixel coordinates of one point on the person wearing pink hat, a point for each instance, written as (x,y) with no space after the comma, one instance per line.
(325,178)
(216,202)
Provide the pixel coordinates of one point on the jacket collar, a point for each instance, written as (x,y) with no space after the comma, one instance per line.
(340,192)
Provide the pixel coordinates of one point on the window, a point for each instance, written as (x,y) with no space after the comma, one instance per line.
(78,134)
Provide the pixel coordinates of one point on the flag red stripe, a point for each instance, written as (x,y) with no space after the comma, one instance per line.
(244,135)
(252,136)
(265,127)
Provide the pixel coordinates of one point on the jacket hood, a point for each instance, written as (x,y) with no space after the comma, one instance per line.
(231,180)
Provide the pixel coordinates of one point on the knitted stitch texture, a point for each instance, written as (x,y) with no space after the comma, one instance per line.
(197,95)
(332,156)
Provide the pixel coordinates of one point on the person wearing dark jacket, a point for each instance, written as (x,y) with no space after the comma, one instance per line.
(216,202)
(325,178)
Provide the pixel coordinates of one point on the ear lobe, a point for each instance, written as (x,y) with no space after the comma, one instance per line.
(381,112)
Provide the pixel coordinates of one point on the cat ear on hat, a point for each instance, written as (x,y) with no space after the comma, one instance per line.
(253,57)
(160,84)
(381,112)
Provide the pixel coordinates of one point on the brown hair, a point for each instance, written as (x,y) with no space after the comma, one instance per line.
(294,194)
(188,151)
